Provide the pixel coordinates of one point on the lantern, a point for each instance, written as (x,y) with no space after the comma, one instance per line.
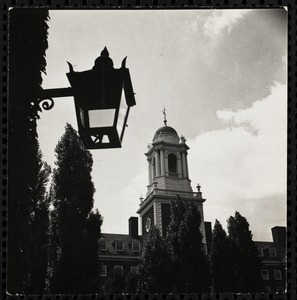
(103,97)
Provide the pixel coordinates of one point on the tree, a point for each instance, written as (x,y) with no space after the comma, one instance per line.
(75,229)
(189,266)
(115,283)
(154,263)
(246,265)
(132,282)
(28,43)
(221,261)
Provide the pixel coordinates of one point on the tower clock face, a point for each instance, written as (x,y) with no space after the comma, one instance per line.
(148,224)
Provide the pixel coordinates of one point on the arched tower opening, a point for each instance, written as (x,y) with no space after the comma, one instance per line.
(172,165)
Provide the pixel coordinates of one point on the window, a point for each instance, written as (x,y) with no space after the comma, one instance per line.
(264,274)
(277,275)
(272,252)
(102,244)
(260,251)
(118,269)
(103,271)
(267,289)
(148,224)
(119,246)
(172,164)
(279,289)
(135,246)
(134,269)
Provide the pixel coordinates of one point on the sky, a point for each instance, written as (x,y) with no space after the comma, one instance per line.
(222,77)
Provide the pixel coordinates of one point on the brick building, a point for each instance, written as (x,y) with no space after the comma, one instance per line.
(119,252)
(273,257)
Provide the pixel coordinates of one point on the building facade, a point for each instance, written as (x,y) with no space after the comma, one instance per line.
(119,252)
(273,258)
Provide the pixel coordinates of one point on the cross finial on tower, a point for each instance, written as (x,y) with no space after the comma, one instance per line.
(164,113)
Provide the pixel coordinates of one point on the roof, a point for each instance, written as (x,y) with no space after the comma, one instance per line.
(111,240)
(166,129)
(280,250)
(166,133)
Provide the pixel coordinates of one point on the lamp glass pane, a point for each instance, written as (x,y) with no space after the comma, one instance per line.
(101,118)
(82,117)
(122,113)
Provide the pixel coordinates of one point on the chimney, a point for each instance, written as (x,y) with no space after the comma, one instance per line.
(133,227)
(279,235)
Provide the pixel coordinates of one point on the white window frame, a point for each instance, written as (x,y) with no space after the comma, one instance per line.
(100,241)
(280,289)
(272,252)
(116,246)
(260,251)
(278,275)
(118,268)
(265,274)
(133,249)
(103,274)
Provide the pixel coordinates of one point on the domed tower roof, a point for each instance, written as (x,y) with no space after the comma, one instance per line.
(167,134)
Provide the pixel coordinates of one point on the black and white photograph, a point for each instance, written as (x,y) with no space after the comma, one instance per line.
(147,151)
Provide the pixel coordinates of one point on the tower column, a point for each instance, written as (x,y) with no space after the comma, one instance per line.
(158,216)
(157,166)
(162,162)
(185,169)
(179,167)
(153,168)
(166,165)
(150,171)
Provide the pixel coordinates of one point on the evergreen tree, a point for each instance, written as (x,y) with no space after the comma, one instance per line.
(221,261)
(115,283)
(247,266)
(189,266)
(39,224)
(75,229)
(132,282)
(154,263)
(27,215)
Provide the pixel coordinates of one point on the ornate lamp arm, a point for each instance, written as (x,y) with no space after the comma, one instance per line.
(45,100)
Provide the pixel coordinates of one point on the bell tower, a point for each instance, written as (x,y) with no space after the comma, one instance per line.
(168,176)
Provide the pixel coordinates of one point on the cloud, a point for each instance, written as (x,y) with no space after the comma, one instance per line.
(212,23)
(221,20)
(245,161)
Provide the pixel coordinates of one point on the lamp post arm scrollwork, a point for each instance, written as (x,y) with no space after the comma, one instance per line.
(45,100)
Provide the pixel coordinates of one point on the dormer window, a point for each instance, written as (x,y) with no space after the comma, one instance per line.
(119,246)
(272,252)
(102,244)
(135,246)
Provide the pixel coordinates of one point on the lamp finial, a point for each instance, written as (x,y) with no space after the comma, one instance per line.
(105,52)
